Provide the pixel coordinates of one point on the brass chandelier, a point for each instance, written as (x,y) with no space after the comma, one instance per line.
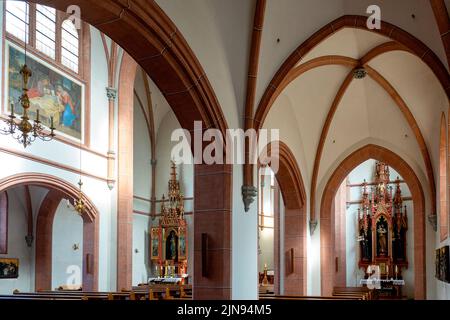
(23,130)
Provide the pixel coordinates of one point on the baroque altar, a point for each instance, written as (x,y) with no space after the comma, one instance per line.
(382,227)
(169,239)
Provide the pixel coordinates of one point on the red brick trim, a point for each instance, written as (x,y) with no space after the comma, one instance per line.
(443,182)
(258,23)
(3,222)
(443,23)
(326,221)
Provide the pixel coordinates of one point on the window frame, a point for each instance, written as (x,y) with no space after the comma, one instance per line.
(82,74)
(84,65)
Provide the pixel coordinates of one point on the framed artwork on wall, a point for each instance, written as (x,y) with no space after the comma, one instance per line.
(53,92)
(443,264)
(9,268)
(444,257)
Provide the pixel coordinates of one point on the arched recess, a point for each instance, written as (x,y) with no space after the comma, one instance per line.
(59,189)
(148,35)
(402,40)
(327,224)
(443,184)
(292,189)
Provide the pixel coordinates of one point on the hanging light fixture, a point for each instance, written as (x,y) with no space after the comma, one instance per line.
(23,130)
(79,203)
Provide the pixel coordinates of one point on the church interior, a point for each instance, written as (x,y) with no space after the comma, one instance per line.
(109,110)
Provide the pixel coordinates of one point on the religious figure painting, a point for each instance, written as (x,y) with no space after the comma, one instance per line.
(171,246)
(155,244)
(50,91)
(444,264)
(182,245)
(9,268)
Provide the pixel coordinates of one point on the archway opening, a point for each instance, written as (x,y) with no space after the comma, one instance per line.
(330,243)
(40,211)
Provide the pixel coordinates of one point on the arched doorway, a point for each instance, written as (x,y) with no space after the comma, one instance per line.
(326,222)
(59,190)
(289,178)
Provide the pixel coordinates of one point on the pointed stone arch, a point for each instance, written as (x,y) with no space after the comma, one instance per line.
(379,153)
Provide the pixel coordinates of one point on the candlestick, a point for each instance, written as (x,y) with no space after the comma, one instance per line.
(12,109)
(51,122)
(37,115)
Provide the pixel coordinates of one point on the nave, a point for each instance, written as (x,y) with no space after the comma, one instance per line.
(224,150)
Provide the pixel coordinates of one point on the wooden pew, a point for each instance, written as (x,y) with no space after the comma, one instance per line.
(298,297)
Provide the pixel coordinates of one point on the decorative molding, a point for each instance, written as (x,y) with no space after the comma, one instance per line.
(359,73)
(249,194)
(312,226)
(111,93)
(51,163)
(443,23)
(432,219)
(253,64)
(29,240)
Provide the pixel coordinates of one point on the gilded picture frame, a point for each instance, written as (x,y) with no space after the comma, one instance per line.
(52,91)
(9,268)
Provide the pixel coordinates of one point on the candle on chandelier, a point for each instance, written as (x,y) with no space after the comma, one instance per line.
(51,120)
(12,109)
(37,115)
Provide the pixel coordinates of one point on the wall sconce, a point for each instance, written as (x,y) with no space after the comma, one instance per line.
(75,246)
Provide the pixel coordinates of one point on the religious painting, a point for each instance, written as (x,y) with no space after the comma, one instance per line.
(52,92)
(9,268)
(444,264)
(438,264)
(171,245)
(182,247)
(155,244)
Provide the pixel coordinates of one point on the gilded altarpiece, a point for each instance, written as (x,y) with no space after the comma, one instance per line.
(382,225)
(169,239)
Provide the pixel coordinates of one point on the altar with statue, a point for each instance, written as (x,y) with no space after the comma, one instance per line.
(382,227)
(168,240)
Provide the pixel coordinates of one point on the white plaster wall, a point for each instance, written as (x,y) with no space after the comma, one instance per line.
(17,247)
(96,190)
(141,267)
(67,232)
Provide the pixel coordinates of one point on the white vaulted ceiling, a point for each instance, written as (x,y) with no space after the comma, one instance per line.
(219,33)
(366,112)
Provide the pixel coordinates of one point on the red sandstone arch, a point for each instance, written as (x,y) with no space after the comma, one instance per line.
(402,41)
(443,185)
(142,29)
(59,189)
(326,217)
(292,189)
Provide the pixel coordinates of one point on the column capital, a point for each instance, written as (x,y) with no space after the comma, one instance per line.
(111,93)
(249,194)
